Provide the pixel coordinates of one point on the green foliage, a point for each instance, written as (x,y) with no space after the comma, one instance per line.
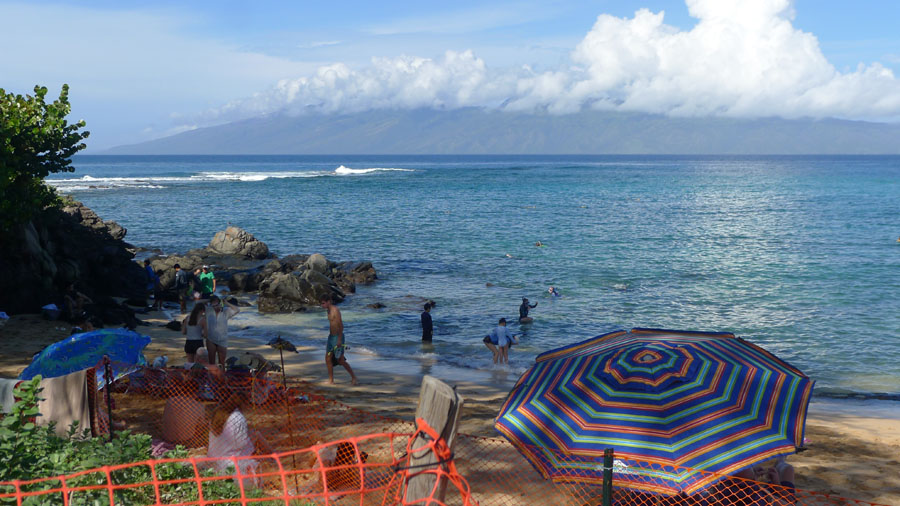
(29,452)
(35,141)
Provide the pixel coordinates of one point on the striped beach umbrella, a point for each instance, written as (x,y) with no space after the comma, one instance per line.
(681,401)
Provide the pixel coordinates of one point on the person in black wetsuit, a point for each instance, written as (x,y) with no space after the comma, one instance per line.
(427,326)
(523,309)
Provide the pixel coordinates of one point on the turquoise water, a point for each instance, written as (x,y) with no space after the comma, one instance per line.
(797,254)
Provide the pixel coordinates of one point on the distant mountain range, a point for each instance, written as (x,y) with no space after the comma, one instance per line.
(480,131)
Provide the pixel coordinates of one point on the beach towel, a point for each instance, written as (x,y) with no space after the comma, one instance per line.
(6,394)
(65,400)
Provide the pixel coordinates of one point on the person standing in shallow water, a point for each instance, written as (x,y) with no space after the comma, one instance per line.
(427,325)
(523,310)
(334,349)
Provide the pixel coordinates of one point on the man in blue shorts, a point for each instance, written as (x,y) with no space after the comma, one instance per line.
(334,350)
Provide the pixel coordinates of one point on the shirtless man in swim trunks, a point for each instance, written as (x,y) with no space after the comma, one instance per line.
(334,350)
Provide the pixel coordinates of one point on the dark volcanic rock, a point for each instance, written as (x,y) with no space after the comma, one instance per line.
(297,281)
(348,274)
(287,292)
(61,246)
(234,256)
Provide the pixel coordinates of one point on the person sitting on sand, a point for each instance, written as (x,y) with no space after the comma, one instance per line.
(73,302)
(230,436)
(193,327)
(342,469)
(747,491)
(83,325)
(523,309)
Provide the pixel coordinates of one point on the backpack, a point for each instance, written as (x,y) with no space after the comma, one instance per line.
(181,279)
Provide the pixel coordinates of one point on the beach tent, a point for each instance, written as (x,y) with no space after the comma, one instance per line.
(82,351)
(673,406)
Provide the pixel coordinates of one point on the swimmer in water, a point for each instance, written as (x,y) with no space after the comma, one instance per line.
(553,291)
(539,244)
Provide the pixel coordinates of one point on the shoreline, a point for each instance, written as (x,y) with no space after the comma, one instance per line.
(853,447)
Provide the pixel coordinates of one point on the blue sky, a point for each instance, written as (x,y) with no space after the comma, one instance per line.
(144,70)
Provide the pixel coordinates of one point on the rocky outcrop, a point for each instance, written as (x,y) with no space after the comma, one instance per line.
(234,241)
(288,292)
(292,283)
(61,246)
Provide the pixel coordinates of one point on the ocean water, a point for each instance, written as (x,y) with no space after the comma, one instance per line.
(797,254)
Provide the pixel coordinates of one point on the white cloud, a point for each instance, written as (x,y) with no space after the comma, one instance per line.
(741,59)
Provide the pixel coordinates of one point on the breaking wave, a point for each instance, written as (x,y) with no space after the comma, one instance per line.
(85,183)
(347,171)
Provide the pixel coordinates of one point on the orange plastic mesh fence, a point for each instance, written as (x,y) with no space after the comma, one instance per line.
(370,469)
(349,456)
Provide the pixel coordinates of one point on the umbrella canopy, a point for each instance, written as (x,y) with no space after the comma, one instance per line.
(85,350)
(282,344)
(702,401)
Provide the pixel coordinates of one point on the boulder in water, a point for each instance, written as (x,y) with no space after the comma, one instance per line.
(238,242)
(288,292)
(317,262)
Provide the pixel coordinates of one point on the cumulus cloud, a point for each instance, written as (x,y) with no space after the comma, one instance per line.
(741,59)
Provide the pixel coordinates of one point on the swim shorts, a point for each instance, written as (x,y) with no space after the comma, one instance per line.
(335,351)
(331,344)
(192,345)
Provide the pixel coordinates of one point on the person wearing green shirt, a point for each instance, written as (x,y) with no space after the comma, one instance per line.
(207,282)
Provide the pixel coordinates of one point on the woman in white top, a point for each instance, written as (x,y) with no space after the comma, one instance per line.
(217,329)
(229,436)
(194,329)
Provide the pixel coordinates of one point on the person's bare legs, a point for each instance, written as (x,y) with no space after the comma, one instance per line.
(216,353)
(494,351)
(330,368)
(343,362)
(222,353)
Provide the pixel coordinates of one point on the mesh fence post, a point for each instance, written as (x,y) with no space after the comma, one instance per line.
(607,476)
(439,406)
(107,372)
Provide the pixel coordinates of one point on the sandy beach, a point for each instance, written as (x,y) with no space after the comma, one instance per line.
(853,446)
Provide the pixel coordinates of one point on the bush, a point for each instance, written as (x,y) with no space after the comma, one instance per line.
(35,140)
(31,452)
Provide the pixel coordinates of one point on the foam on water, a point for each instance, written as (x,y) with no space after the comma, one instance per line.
(346,171)
(89,182)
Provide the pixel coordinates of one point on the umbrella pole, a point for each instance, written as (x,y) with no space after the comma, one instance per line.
(283,380)
(607,476)
(106,374)
(287,411)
